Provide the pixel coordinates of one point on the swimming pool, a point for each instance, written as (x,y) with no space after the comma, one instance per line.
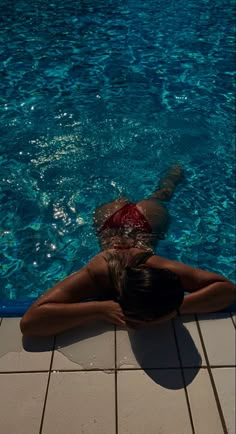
(99,100)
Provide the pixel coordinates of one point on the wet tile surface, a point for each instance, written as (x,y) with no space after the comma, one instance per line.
(21,402)
(80,403)
(147,399)
(92,347)
(27,354)
(149,383)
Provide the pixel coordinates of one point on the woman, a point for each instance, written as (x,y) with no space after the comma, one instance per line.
(127,284)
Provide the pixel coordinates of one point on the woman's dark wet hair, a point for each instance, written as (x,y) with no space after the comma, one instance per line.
(145,293)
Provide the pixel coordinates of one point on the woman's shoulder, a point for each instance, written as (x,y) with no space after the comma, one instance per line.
(159,261)
(98,270)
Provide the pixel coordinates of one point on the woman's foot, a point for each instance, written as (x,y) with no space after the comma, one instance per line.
(175,174)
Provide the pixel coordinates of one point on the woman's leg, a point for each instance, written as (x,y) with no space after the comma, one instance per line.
(168,184)
(152,207)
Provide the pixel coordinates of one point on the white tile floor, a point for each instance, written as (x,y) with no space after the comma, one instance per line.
(173,379)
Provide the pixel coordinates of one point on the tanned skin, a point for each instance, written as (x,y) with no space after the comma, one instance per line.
(60,308)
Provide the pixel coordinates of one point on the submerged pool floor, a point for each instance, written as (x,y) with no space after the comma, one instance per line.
(98,100)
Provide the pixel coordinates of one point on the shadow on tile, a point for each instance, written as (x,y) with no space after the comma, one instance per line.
(154,352)
(231,308)
(174,381)
(91,347)
(37,344)
(213,315)
(81,333)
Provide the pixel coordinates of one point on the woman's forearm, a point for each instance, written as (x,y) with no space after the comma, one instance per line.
(53,318)
(212,298)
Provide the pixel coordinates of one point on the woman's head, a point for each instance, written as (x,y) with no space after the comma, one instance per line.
(144,292)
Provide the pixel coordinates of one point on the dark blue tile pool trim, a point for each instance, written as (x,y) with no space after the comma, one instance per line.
(12,309)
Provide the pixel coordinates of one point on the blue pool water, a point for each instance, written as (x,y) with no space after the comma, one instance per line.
(98,99)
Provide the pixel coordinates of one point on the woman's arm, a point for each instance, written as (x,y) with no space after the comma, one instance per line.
(209,292)
(52,318)
(211,298)
(60,308)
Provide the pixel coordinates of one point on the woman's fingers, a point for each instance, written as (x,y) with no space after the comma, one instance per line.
(121,322)
(120,319)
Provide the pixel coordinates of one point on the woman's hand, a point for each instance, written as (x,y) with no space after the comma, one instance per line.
(111,312)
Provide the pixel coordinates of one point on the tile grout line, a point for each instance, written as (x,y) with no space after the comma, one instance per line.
(211,378)
(231,316)
(121,370)
(183,378)
(46,394)
(116,397)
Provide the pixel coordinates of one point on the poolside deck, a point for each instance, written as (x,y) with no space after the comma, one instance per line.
(178,378)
